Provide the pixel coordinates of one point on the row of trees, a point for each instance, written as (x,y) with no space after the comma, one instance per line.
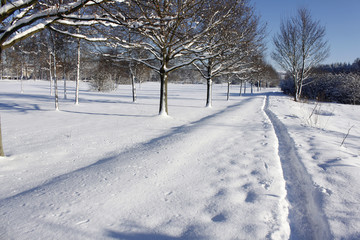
(33,58)
(216,37)
(337,68)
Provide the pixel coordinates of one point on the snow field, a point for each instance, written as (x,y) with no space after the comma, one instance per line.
(318,131)
(112,169)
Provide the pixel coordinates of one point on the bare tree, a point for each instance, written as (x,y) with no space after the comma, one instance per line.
(231,44)
(299,47)
(78,62)
(23,18)
(270,76)
(53,55)
(169,31)
(72,26)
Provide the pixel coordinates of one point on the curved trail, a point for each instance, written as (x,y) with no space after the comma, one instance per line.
(215,178)
(307,220)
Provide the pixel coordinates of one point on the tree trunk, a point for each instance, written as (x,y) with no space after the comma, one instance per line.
(244,87)
(163,93)
(56,86)
(133,86)
(166,93)
(209,85)
(56,94)
(65,93)
(228,91)
(209,92)
(296,90)
(300,89)
(50,74)
(2,154)
(22,87)
(21,78)
(241,82)
(77,74)
(296,95)
(26,72)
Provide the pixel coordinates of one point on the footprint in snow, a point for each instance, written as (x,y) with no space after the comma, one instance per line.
(246,186)
(316,156)
(251,197)
(221,193)
(266,166)
(265,184)
(326,191)
(219,218)
(167,194)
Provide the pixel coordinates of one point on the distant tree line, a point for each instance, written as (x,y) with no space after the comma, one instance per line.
(31,59)
(338,82)
(340,68)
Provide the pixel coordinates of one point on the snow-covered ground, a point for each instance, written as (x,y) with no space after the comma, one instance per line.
(256,167)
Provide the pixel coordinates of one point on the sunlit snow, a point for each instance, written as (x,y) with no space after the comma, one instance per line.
(256,167)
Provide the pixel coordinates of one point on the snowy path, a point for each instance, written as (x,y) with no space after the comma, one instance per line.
(307,221)
(218,177)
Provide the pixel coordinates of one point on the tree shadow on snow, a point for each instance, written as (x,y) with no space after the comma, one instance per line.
(254,94)
(25,106)
(176,132)
(109,114)
(140,236)
(189,234)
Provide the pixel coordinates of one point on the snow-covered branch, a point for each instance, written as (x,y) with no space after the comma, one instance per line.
(79,36)
(25,34)
(11,7)
(23,18)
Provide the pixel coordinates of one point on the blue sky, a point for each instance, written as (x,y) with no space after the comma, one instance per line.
(340,17)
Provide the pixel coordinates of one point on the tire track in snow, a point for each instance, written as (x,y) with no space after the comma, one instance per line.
(307,221)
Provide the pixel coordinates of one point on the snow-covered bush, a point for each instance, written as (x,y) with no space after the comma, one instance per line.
(103,82)
(329,87)
(287,86)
